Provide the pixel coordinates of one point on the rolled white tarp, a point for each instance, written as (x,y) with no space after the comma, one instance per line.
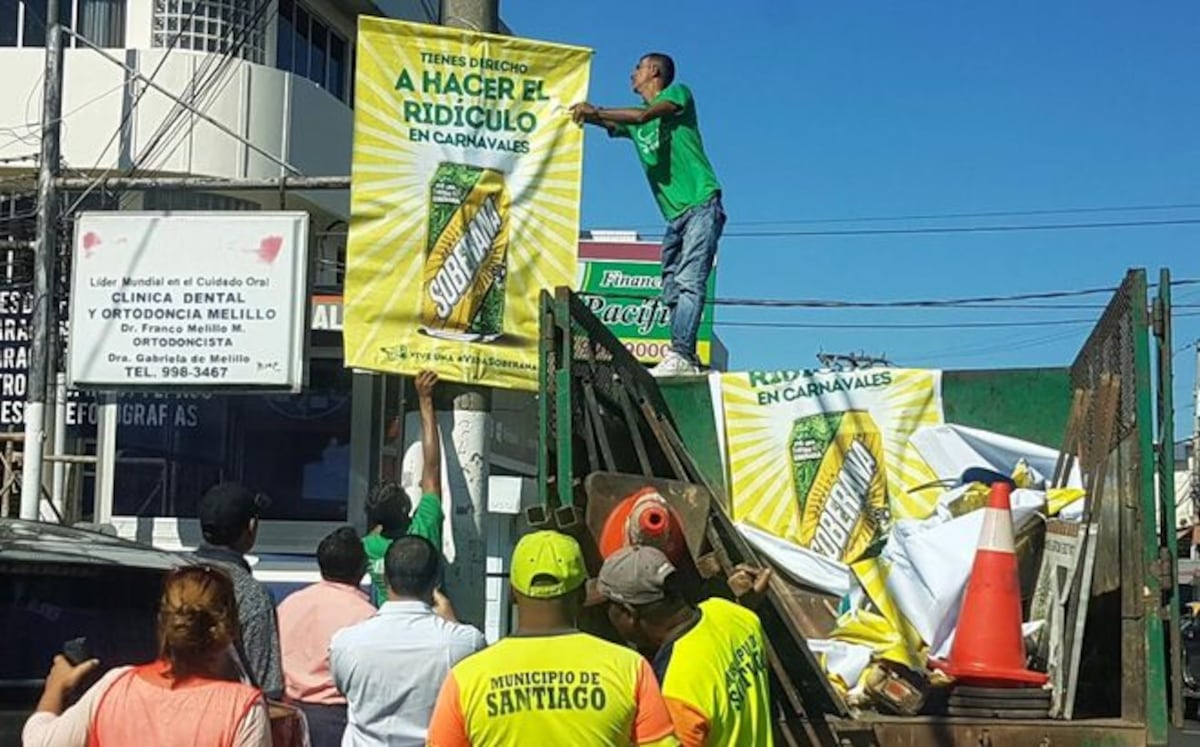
(949,449)
(799,563)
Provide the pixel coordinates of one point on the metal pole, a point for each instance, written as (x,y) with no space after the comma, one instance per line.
(475,15)
(179,183)
(45,311)
(1194,464)
(106,458)
(58,481)
(471,414)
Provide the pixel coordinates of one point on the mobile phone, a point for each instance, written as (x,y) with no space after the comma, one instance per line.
(77,651)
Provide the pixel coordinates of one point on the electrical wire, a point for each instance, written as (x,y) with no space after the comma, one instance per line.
(927,230)
(172,118)
(921,303)
(901,325)
(33,135)
(976,302)
(956,215)
(966,351)
(920,325)
(125,119)
(207,83)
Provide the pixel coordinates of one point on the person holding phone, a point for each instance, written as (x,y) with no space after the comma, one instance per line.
(193,693)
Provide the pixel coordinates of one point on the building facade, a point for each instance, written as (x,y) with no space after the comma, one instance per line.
(278,73)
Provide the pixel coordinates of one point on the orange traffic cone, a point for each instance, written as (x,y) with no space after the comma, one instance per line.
(988,648)
(644,518)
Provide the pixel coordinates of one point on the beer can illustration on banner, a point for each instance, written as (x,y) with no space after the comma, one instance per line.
(466,254)
(838,472)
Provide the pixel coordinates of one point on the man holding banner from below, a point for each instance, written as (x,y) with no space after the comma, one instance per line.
(667,136)
(711,660)
(549,683)
(389,508)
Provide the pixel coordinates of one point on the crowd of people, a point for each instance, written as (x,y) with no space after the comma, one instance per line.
(396,667)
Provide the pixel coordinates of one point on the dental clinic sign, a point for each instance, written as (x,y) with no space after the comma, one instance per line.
(212,301)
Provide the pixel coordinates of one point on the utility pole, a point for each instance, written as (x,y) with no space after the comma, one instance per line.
(1194,465)
(475,15)
(467,409)
(45,310)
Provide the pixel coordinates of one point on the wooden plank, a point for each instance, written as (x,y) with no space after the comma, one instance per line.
(1103,416)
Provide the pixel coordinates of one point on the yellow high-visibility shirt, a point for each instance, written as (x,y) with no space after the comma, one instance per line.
(565,689)
(715,681)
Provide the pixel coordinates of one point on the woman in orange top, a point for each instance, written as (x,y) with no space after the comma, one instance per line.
(191,695)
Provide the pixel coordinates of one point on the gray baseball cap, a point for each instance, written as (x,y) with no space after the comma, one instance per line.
(635,575)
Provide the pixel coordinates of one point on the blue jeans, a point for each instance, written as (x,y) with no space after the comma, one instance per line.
(688,251)
(326,723)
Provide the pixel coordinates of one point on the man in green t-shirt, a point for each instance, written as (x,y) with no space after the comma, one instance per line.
(389,509)
(666,134)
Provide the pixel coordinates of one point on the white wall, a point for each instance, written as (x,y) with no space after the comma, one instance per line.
(139,24)
(279,113)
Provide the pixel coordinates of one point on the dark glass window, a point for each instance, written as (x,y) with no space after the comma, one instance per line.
(45,606)
(301,43)
(319,38)
(307,46)
(337,66)
(34,31)
(285,34)
(9,17)
(293,447)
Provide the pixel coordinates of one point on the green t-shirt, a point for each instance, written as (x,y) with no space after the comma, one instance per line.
(426,522)
(672,154)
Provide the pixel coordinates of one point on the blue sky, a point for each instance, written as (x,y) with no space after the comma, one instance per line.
(841,110)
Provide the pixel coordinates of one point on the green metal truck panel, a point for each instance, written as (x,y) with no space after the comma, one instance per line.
(601,413)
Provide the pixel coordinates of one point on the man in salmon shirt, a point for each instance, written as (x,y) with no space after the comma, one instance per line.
(307,621)
(549,683)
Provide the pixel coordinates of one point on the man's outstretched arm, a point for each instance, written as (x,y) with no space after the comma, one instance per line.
(428,518)
(431,446)
(585,113)
(611,118)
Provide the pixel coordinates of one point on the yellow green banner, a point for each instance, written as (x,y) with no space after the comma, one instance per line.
(464,199)
(823,458)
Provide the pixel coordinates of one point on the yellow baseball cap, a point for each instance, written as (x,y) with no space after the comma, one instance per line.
(547,564)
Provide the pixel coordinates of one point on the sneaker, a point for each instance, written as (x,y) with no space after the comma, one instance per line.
(674,364)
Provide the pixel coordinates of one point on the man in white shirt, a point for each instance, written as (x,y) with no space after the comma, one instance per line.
(391,667)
